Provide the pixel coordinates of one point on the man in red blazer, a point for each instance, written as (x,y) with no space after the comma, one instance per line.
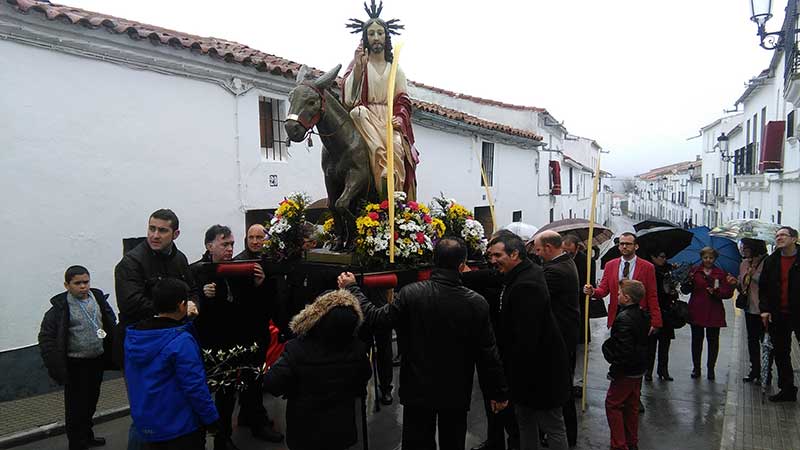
(634,268)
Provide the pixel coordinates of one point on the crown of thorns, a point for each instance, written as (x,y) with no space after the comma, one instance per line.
(357,26)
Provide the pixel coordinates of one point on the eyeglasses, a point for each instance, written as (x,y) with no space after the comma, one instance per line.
(626,244)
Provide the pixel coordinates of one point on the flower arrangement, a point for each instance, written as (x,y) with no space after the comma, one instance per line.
(415,232)
(285,230)
(225,371)
(459,222)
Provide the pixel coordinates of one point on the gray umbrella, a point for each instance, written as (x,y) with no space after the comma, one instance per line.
(766,363)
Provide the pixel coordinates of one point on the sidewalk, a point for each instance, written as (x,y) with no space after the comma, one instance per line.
(33,418)
(752,422)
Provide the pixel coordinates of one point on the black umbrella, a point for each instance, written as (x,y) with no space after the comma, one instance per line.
(670,240)
(580,228)
(654,223)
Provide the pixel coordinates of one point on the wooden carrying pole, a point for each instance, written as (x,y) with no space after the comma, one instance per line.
(488,191)
(592,216)
(390,147)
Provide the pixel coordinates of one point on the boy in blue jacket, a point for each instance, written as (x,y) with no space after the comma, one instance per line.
(170,402)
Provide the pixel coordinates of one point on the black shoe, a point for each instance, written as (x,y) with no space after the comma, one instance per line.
(224,444)
(485,445)
(663,375)
(386,397)
(265,433)
(648,376)
(95,441)
(695,374)
(710,375)
(785,395)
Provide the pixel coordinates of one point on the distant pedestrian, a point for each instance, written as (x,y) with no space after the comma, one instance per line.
(75,342)
(754,252)
(626,351)
(660,342)
(708,286)
(779,292)
(170,402)
(323,373)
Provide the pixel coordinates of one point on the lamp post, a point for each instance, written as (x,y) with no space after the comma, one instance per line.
(760,13)
(724,147)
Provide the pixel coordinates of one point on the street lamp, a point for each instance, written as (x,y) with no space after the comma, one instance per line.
(724,146)
(760,13)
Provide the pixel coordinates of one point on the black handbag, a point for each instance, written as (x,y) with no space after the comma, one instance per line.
(742,301)
(597,308)
(677,315)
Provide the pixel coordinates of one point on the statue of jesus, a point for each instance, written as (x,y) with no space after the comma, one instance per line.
(365,93)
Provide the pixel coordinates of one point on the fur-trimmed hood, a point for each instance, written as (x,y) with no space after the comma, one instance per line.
(322,313)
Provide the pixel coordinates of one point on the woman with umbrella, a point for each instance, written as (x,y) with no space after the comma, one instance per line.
(753,253)
(667,294)
(708,286)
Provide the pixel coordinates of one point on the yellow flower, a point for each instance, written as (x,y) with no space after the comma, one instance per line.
(407,215)
(373,207)
(328,225)
(438,226)
(364,222)
(424,209)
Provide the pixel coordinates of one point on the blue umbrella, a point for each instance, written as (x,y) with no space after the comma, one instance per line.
(729,257)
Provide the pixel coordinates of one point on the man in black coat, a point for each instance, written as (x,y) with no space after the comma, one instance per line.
(533,351)
(572,245)
(138,271)
(779,295)
(135,275)
(444,331)
(75,342)
(563,284)
(236,312)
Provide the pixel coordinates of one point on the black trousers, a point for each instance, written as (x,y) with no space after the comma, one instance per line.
(225,400)
(81,393)
(195,440)
(497,425)
(251,400)
(780,330)
(383,355)
(568,410)
(659,344)
(420,425)
(712,336)
(755,332)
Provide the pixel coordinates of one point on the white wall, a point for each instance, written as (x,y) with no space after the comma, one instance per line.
(90,149)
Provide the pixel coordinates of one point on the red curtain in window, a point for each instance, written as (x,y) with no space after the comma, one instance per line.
(772,146)
(555,178)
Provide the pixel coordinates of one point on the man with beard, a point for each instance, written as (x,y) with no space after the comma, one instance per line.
(365,92)
(562,283)
(236,312)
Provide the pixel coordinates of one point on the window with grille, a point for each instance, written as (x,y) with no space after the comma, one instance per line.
(487,161)
(270,125)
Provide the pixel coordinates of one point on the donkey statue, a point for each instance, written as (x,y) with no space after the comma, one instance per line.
(345,154)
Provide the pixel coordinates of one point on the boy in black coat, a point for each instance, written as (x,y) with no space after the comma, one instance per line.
(75,343)
(626,351)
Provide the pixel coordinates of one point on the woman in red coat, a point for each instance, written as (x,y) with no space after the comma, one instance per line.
(709,285)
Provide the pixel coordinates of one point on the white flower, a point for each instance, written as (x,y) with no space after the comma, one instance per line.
(400,196)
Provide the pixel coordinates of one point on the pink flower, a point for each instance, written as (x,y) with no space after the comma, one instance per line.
(385,204)
(427,218)
(420,238)
(373,215)
(396,235)
(469,217)
(414,206)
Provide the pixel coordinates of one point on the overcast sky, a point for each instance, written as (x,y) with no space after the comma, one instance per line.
(640,77)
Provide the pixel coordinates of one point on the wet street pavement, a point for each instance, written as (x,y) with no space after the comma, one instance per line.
(684,413)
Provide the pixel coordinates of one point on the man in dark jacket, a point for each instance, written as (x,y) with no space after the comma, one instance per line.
(322,372)
(563,284)
(779,294)
(169,397)
(135,275)
(531,346)
(142,267)
(572,244)
(444,331)
(236,311)
(626,351)
(75,342)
